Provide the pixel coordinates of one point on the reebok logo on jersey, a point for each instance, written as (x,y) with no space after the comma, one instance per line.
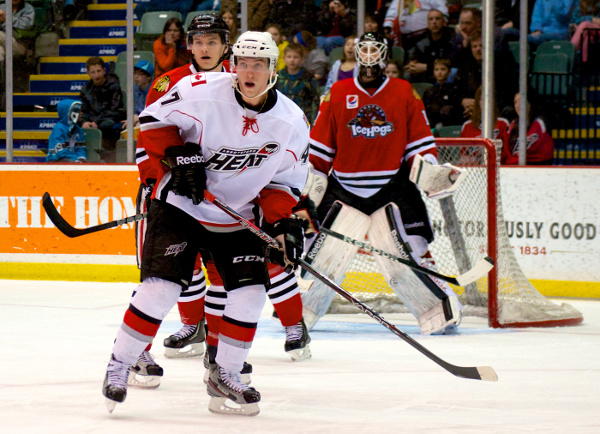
(174,249)
(239,160)
(189,160)
(351,101)
(370,122)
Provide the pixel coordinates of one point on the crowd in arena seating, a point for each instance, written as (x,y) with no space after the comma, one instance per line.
(441,45)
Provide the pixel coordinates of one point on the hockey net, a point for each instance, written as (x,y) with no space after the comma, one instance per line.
(468,226)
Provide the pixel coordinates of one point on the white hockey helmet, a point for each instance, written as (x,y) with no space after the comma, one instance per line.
(256,44)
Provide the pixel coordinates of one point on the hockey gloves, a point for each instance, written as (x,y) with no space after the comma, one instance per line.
(307,210)
(187,171)
(289,232)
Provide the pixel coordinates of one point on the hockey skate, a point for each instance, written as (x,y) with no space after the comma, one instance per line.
(209,359)
(115,383)
(145,373)
(229,395)
(296,342)
(187,342)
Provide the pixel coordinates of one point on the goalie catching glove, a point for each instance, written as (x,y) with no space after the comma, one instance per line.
(435,180)
(289,233)
(187,171)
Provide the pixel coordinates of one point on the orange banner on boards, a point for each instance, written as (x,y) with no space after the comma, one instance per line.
(85,195)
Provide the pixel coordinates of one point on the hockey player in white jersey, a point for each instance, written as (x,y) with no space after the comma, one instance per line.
(369,131)
(235,136)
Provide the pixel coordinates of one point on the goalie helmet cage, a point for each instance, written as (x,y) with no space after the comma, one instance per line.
(468,226)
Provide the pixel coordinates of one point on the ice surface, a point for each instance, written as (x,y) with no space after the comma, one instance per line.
(56,339)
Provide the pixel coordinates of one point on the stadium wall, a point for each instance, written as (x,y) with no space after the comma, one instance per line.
(552,219)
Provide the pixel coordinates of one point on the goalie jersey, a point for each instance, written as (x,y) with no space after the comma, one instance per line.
(365,138)
(250,157)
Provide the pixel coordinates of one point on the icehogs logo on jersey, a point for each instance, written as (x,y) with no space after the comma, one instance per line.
(239,160)
(370,122)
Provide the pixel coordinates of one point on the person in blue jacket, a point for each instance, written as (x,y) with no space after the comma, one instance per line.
(67,140)
(550,21)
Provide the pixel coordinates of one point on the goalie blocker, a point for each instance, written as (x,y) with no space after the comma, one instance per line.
(430,300)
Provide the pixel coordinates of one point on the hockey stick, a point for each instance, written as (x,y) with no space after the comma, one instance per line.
(485,373)
(72,232)
(480,269)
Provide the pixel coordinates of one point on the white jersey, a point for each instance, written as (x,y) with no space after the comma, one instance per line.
(250,158)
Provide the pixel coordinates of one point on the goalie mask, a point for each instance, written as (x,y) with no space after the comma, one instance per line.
(371,53)
(258,45)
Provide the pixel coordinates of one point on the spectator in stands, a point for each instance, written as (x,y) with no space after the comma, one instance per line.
(277,33)
(394,69)
(407,26)
(209,5)
(346,67)
(170,50)
(23,19)
(585,16)
(469,21)
(294,16)
(472,127)
(371,24)
(258,13)
(315,60)
(540,145)
(67,140)
(143,74)
(75,9)
(297,83)
(102,105)
(441,100)
(335,22)
(435,45)
(231,20)
(550,20)
(468,78)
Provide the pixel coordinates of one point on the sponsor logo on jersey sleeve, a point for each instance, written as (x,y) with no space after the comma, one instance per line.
(162,84)
(327,96)
(370,122)
(416,94)
(237,161)
(199,78)
(351,101)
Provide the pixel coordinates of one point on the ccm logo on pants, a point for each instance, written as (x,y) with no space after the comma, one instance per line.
(249,258)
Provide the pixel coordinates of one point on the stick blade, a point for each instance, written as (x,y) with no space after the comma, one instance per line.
(480,269)
(57,219)
(487,373)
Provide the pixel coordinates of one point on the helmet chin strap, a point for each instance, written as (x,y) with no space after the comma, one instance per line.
(236,86)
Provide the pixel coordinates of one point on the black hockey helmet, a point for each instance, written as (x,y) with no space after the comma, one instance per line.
(207,23)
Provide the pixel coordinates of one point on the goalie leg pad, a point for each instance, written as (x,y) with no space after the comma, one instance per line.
(332,257)
(425,296)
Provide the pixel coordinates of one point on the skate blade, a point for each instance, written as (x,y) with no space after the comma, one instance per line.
(143,381)
(300,354)
(193,350)
(110,404)
(222,405)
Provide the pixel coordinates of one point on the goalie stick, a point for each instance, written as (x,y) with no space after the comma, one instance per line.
(485,373)
(72,232)
(480,269)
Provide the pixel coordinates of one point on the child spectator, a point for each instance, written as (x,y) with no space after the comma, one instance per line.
(102,105)
(585,16)
(67,140)
(346,67)
(277,33)
(143,74)
(540,145)
(393,69)
(315,59)
(170,50)
(297,83)
(441,100)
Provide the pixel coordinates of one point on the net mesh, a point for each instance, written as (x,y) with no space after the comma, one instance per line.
(461,228)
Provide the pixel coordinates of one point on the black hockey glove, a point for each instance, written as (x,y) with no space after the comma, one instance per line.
(290,234)
(187,171)
(307,210)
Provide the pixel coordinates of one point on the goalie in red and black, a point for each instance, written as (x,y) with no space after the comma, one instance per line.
(369,132)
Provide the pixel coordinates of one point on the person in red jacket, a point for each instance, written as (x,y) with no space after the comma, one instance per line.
(170,50)
(540,145)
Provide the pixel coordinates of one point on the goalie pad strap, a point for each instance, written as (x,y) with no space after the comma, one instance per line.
(332,257)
